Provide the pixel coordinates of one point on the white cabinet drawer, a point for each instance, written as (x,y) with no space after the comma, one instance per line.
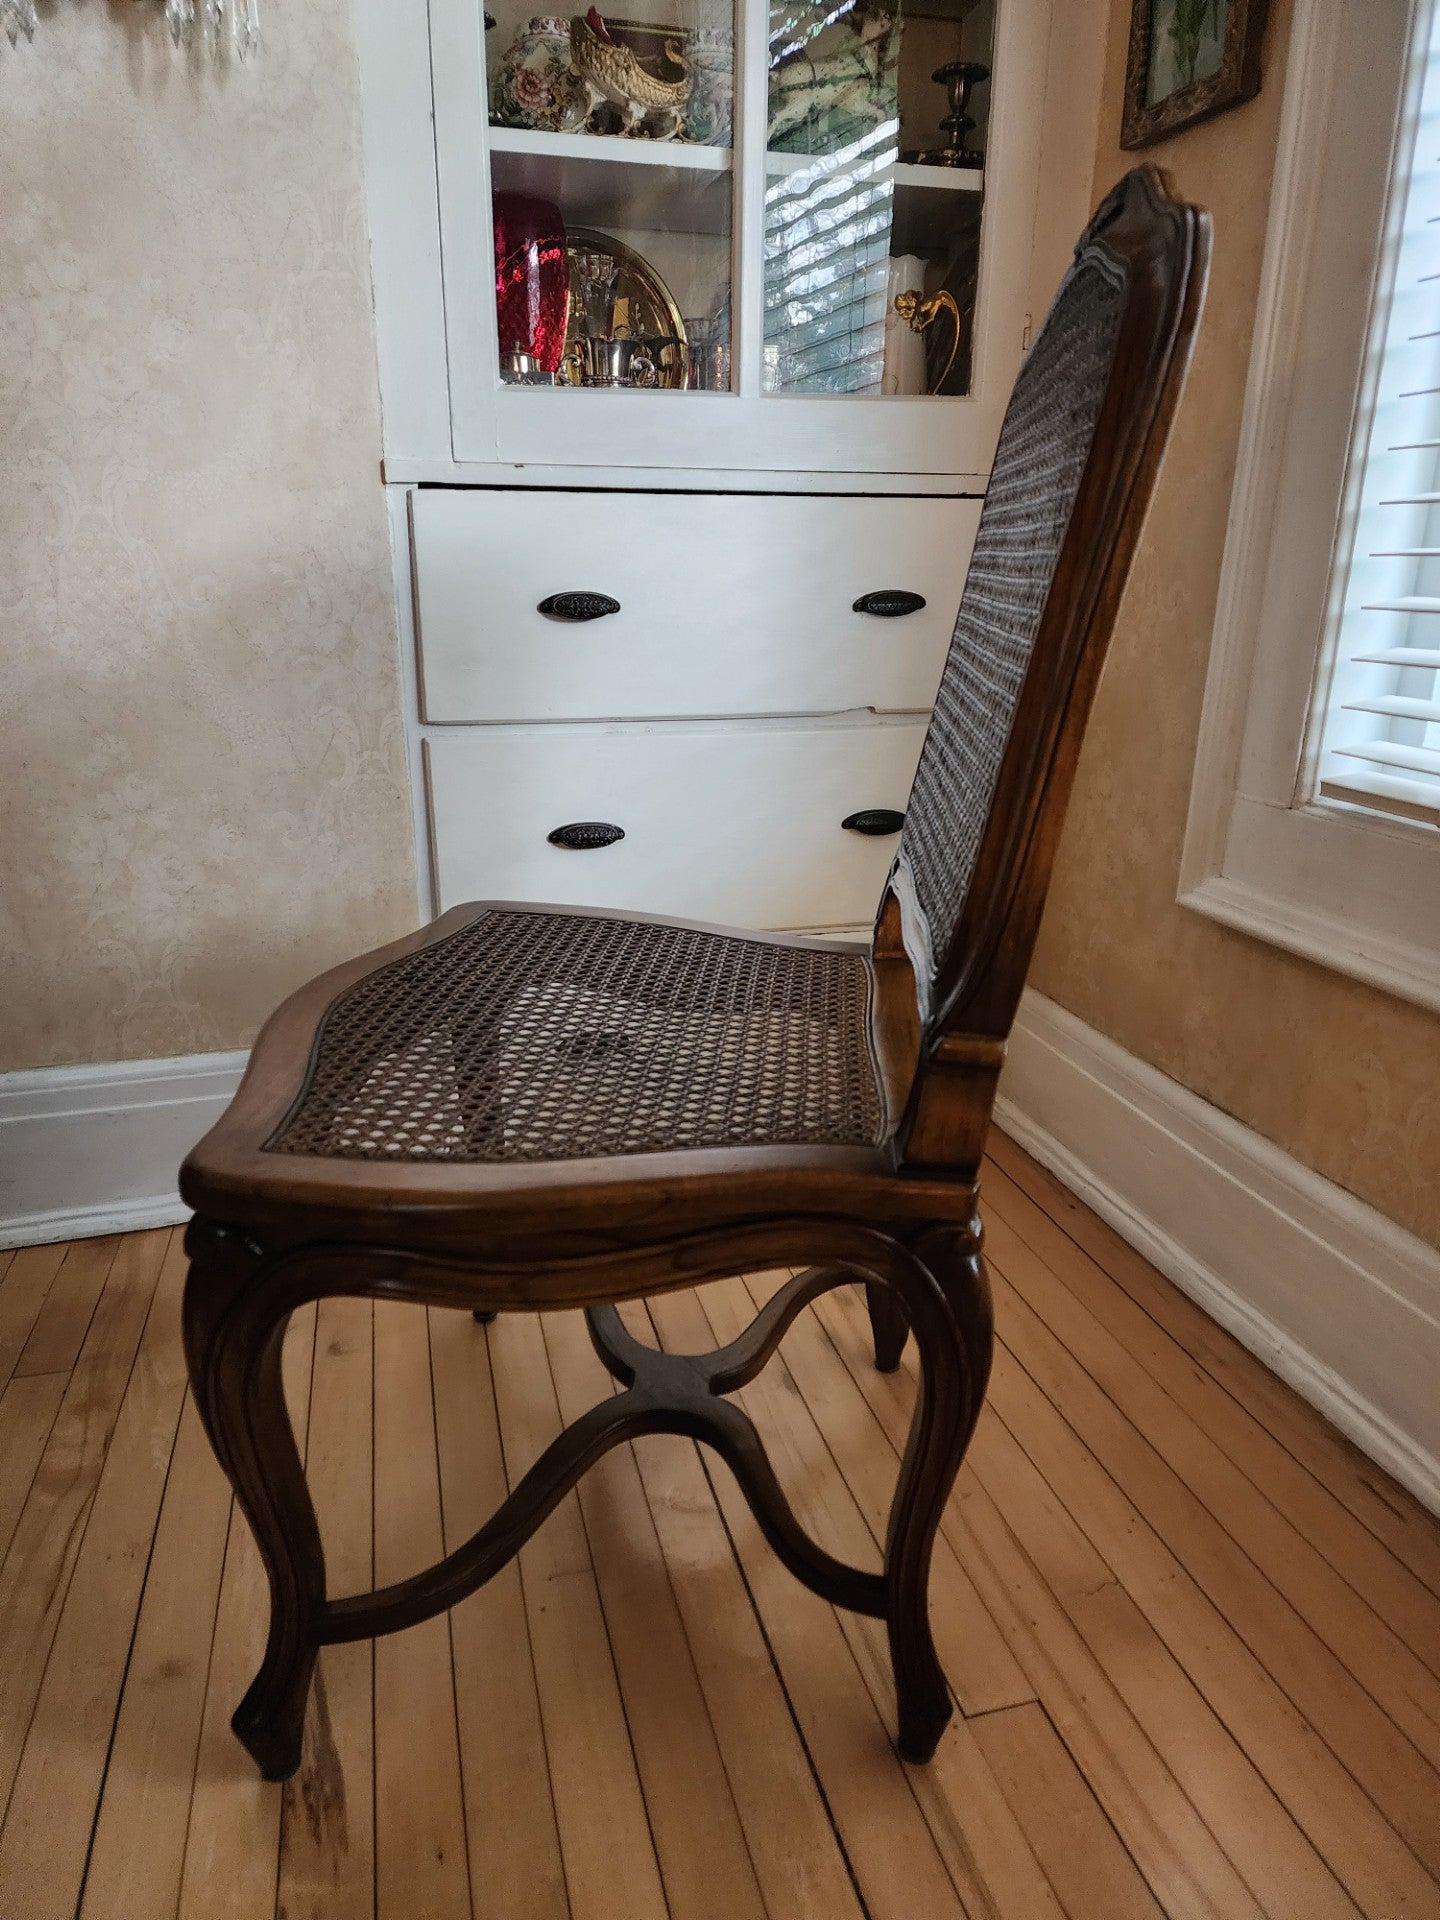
(737,826)
(729,603)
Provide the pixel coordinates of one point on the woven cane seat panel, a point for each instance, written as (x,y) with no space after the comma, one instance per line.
(548,1036)
(1044,444)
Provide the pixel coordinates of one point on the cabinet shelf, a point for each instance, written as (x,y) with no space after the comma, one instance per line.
(929,206)
(601,180)
(926,179)
(606,181)
(611,150)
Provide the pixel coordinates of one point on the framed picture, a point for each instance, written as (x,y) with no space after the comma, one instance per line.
(1188,59)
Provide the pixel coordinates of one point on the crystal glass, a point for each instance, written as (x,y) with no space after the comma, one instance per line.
(532,286)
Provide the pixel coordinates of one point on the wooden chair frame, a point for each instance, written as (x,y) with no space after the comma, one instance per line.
(275,1231)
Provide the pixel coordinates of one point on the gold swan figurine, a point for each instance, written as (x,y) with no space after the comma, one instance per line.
(612,72)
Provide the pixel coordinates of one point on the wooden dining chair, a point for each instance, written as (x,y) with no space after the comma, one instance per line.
(526,1108)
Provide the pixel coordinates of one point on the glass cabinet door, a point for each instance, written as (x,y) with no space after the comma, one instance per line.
(728,215)
(873,195)
(611,178)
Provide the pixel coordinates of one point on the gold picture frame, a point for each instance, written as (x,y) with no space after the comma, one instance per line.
(1222,38)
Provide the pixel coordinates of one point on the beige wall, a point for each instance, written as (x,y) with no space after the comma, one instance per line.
(202,794)
(202,791)
(1340,1075)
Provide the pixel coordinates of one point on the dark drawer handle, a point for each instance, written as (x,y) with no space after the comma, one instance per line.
(874,821)
(582,835)
(888,603)
(578,606)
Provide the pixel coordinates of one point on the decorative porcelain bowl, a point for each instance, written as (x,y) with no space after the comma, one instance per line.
(535,84)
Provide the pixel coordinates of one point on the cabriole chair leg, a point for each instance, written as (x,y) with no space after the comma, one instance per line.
(950,1315)
(233,1340)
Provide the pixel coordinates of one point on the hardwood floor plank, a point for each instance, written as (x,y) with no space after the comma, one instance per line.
(1180,1858)
(327,1817)
(27,1413)
(1346,1626)
(893,1854)
(36,1573)
(59,1330)
(28,1279)
(1384,1761)
(1185,1733)
(46,1837)
(1378,1502)
(139,1849)
(515,1863)
(233,1838)
(704,1862)
(1209,1639)
(1349,1548)
(611,1868)
(1079,1849)
(980,1840)
(420,1849)
(796,1852)
(648,1718)
(1278,1863)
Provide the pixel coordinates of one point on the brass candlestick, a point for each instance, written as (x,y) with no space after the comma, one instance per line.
(960,77)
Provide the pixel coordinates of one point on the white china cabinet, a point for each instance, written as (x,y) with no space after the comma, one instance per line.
(695,333)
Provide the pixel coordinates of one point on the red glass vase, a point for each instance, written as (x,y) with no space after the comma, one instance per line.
(532,280)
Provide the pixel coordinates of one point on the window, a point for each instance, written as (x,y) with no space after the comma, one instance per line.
(1377,714)
(1314,809)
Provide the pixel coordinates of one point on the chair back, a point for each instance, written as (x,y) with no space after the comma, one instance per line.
(1074,469)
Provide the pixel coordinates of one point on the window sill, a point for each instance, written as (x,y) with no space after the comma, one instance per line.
(1354,892)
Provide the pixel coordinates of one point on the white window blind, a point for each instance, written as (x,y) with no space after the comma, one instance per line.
(1379,723)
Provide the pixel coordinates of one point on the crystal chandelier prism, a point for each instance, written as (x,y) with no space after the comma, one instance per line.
(222,22)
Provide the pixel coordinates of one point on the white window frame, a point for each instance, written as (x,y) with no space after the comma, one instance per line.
(1357,890)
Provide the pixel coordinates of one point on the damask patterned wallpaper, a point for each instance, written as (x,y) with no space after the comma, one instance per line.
(1339,1074)
(203,793)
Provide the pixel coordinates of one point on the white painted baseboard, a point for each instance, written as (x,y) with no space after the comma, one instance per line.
(1338,1300)
(97,1149)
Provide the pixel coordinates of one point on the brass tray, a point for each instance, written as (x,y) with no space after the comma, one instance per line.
(645,308)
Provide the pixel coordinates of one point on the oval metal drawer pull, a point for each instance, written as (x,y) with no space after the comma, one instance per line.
(888,603)
(582,835)
(874,821)
(578,606)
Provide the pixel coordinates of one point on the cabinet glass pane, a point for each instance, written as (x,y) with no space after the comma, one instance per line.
(873,194)
(610,166)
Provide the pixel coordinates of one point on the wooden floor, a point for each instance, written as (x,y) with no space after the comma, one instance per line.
(1194,1636)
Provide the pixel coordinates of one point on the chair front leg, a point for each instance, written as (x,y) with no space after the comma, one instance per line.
(947,1303)
(234,1329)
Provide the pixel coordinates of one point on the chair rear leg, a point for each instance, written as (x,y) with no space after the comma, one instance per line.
(950,1316)
(888,1325)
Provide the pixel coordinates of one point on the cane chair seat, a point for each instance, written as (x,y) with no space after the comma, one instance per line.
(535,1108)
(535,1035)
